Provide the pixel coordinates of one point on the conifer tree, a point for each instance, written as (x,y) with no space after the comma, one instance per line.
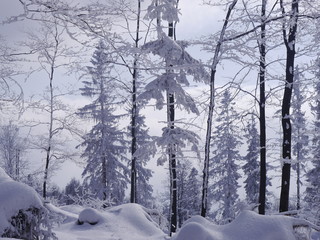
(313,177)
(105,173)
(167,90)
(251,166)
(300,136)
(224,168)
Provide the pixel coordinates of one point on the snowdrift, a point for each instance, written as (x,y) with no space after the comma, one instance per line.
(15,197)
(247,226)
(127,222)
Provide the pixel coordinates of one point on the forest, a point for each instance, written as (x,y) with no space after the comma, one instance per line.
(180,107)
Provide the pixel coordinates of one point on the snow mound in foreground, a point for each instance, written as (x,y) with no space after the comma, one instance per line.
(248,225)
(15,196)
(89,215)
(127,221)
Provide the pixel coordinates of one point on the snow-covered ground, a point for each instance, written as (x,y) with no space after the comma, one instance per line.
(128,221)
(134,222)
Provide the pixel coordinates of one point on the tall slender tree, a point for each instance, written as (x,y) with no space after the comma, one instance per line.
(262,111)
(216,59)
(300,138)
(178,63)
(290,42)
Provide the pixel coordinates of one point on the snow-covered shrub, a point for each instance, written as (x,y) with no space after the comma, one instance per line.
(22,214)
(89,215)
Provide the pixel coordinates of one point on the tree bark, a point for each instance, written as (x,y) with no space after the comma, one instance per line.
(262,117)
(172,154)
(204,198)
(133,191)
(286,102)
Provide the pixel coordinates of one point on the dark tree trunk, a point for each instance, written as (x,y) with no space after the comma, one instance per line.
(134,112)
(286,124)
(172,155)
(45,180)
(205,183)
(262,118)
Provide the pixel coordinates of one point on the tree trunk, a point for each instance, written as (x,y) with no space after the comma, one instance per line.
(262,118)
(133,192)
(48,151)
(172,154)
(286,124)
(204,200)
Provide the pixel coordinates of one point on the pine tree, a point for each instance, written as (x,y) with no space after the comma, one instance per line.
(300,136)
(251,167)
(224,170)
(313,177)
(105,173)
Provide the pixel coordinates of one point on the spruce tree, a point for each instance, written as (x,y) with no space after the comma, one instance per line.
(105,173)
(224,167)
(313,177)
(251,166)
(300,136)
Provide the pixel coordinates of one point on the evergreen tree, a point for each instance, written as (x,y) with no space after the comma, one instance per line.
(12,148)
(251,167)
(167,90)
(73,189)
(189,191)
(145,150)
(105,173)
(313,177)
(192,193)
(300,136)
(224,169)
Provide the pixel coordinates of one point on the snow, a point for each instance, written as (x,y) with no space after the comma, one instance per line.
(248,225)
(14,196)
(128,221)
(134,222)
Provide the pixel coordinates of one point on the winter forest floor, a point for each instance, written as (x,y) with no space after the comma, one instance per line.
(130,221)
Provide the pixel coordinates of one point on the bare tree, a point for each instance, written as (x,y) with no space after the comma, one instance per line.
(50,50)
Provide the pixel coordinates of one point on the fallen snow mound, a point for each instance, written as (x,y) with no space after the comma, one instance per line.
(247,226)
(128,221)
(15,196)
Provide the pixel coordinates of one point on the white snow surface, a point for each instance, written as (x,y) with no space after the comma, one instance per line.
(247,226)
(13,197)
(124,222)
